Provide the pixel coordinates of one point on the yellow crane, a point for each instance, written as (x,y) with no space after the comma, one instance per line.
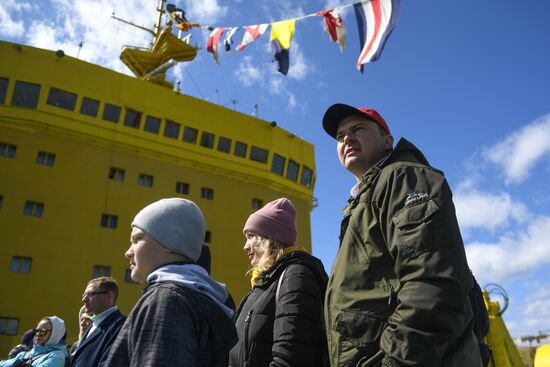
(503,349)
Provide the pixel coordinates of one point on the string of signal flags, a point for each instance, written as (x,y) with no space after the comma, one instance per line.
(376,20)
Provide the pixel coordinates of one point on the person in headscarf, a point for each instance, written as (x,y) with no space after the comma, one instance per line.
(50,346)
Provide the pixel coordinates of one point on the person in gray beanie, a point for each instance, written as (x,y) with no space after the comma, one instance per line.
(280,321)
(181,319)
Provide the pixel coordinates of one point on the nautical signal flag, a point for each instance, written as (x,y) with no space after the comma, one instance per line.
(251,33)
(280,38)
(334,27)
(375,20)
(213,40)
(228,41)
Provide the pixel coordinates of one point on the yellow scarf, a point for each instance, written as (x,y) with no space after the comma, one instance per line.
(256,274)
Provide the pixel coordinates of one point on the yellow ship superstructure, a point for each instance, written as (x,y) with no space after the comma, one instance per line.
(83,148)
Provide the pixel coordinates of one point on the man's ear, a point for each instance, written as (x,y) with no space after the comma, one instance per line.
(388,141)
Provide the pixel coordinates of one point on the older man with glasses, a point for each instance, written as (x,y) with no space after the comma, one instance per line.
(99,298)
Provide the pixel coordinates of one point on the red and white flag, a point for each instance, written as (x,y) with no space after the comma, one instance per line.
(251,33)
(334,27)
(213,40)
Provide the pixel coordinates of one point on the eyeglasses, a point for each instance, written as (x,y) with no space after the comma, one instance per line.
(40,331)
(91,294)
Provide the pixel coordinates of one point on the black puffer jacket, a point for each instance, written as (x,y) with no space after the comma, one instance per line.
(287,332)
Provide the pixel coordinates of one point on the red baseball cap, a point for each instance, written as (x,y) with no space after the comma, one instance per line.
(339,111)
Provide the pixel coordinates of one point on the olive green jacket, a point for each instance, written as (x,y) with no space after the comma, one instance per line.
(398,290)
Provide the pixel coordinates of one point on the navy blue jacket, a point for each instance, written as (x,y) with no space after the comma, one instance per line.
(94,349)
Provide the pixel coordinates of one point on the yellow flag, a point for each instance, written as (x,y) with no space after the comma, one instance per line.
(282,32)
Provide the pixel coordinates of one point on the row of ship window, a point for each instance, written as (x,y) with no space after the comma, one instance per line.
(117,174)
(36,209)
(26,95)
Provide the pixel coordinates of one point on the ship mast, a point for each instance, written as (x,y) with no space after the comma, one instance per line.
(166,50)
(158,24)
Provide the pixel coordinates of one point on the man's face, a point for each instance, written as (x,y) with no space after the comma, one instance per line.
(97,299)
(361,144)
(145,254)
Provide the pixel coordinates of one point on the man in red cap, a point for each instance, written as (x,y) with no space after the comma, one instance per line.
(398,291)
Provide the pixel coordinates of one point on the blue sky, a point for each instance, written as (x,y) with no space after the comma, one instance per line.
(468,83)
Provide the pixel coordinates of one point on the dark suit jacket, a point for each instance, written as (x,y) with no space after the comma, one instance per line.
(94,349)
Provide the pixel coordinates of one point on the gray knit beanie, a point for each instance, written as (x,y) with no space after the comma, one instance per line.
(277,220)
(176,223)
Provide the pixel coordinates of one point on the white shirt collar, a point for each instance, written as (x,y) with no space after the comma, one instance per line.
(98,319)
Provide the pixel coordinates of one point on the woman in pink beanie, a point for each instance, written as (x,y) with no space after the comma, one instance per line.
(280,321)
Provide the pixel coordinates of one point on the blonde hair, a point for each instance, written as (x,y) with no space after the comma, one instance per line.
(84,315)
(272,251)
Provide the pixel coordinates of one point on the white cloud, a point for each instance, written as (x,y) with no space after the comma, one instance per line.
(534,313)
(9,26)
(518,153)
(204,11)
(477,209)
(248,73)
(513,254)
(300,67)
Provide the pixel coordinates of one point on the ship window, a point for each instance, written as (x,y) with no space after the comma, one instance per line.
(89,107)
(62,99)
(20,264)
(207,193)
(128,277)
(307,175)
(257,204)
(101,271)
(152,124)
(190,135)
(224,144)
(7,150)
(145,180)
(25,94)
(116,174)
(292,170)
(207,236)
(8,326)
(258,154)
(132,118)
(111,112)
(33,209)
(207,140)
(3,89)
(171,129)
(278,164)
(240,149)
(45,158)
(109,221)
(182,188)
(1,200)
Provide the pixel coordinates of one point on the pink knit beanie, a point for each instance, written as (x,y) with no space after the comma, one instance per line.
(277,220)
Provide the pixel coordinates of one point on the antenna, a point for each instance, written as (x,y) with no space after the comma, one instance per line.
(79,48)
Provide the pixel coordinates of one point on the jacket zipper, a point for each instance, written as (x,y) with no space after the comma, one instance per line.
(246,324)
